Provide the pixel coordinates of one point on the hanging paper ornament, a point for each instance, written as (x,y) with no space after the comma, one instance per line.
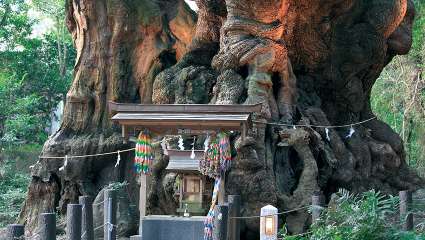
(164,146)
(118,159)
(209,225)
(181,146)
(210,164)
(38,162)
(225,152)
(206,143)
(143,154)
(214,159)
(209,221)
(352,131)
(192,155)
(65,163)
(327,134)
(167,145)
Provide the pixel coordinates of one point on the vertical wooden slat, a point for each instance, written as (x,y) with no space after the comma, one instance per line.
(316,207)
(201,191)
(222,191)
(234,211)
(47,226)
(220,222)
(110,215)
(406,216)
(87,218)
(144,190)
(73,220)
(124,133)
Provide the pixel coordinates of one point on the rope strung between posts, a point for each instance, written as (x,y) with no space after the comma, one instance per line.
(279,213)
(110,226)
(96,154)
(90,155)
(99,203)
(268,123)
(316,126)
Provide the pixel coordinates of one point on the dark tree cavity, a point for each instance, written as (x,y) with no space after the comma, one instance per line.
(306,61)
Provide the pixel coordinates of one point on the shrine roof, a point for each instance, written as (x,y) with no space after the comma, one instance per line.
(180,160)
(170,118)
(186,108)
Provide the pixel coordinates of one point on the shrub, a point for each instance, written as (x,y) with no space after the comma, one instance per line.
(368,216)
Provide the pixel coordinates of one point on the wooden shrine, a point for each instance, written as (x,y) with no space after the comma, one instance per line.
(182,119)
(192,187)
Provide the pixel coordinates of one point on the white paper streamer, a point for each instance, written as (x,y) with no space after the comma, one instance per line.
(327,134)
(181,146)
(65,163)
(167,145)
(118,159)
(32,166)
(110,227)
(192,155)
(206,143)
(164,146)
(350,134)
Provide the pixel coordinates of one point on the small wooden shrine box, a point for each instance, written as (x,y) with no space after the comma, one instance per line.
(192,186)
(193,119)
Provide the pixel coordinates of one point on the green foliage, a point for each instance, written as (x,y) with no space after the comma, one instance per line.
(15,24)
(35,72)
(418,47)
(14,179)
(398,96)
(356,217)
(397,99)
(369,216)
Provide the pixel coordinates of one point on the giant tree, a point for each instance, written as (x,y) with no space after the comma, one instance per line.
(307,62)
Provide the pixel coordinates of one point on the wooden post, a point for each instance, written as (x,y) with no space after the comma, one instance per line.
(110,215)
(47,226)
(143,198)
(87,218)
(268,223)
(244,131)
(136,237)
(201,191)
(234,211)
(144,190)
(406,216)
(222,191)
(220,222)
(124,132)
(73,221)
(316,205)
(15,232)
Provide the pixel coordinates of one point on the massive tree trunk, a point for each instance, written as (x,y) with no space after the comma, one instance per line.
(307,62)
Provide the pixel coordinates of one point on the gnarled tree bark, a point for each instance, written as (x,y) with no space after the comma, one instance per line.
(307,62)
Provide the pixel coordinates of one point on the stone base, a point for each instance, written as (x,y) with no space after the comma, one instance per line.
(169,227)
